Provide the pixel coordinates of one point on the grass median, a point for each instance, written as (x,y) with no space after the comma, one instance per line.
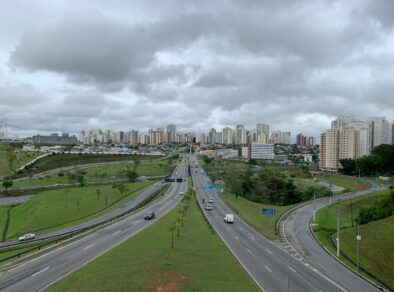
(251,213)
(376,254)
(199,262)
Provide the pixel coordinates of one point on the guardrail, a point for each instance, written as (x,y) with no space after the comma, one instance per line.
(71,234)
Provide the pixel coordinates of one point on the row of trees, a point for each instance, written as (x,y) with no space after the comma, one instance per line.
(380,162)
(269,188)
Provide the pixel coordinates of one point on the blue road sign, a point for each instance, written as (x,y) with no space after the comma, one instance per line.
(213,187)
(268,212)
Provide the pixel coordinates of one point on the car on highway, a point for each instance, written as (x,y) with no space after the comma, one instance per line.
(181,193)
(28,236)
(150,216)
(229,218)
(211,200)
(208,207)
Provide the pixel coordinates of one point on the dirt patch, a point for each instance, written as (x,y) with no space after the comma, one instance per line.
(165,282)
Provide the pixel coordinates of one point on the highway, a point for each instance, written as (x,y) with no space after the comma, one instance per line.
(304,243)
(272,267)
(145,194)
(39,272)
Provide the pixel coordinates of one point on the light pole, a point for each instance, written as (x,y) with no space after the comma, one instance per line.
(338,230)
(314,207)
(358,239)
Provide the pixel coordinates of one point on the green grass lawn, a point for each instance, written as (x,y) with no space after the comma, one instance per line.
(251,213)
(199,262)
(222,165)
(342,181)
(56,209)
(103,173)
(375,255)
(3,218)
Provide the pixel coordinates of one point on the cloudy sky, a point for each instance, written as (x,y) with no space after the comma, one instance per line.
(71,65)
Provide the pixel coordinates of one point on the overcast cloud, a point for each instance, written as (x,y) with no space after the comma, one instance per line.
(70,65)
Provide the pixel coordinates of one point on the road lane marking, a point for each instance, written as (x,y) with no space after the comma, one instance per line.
(292,269)
(89,246)
(236,238)
(43,270)
(268,269)
(249,251)
(117,232)
(252,238)
(270,252)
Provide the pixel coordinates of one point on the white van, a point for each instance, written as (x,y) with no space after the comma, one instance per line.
(229,218)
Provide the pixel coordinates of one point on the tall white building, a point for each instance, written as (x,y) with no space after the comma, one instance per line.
(262,132)
(227,136)
(379,131)
(285,137)
(212,136)
(342,121)
(240,135)
(363,140)
(392,133)
(171,133)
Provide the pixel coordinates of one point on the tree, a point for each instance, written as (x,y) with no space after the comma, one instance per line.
(172,229)
(122,188)
(81,180)
(131,175)
(77,201)
(98,193)
(178,222)
(7,184)
(348,166)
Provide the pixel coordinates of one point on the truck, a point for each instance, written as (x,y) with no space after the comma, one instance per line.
(229,218)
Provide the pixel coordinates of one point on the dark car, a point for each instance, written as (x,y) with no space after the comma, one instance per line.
(149,216)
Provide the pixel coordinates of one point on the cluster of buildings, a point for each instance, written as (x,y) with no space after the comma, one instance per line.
(352,138)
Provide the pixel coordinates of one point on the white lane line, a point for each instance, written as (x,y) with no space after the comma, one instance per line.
(117,232)
(268,269)
(270,252)
(43,270)
(89,246)
(292,269)
(236,238)
(249,250)
(252,238)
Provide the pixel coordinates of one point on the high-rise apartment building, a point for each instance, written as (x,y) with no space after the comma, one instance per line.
(363,140)
(262,132)
(171,133)
(300,140)
(133,137)
(227,136)
(240,135)
(379,131)
(285,138)
(212,136)
(322,155)
(392,133)
(342,121)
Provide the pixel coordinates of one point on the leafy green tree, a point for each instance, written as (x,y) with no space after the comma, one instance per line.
(7,184)
(122,188)
(348,166)
(131,175)
(81,180)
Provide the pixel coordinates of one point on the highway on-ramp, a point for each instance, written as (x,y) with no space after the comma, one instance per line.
(39,272)
(271,266)
(304,243)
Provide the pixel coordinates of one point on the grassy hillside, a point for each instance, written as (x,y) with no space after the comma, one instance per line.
(57,208)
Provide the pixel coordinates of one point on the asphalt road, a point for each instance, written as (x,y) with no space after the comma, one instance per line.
(272,267)
(114,213)
(301,238)
(40,272)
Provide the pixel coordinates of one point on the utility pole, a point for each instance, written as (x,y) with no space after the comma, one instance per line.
(351,211)
(330,193)
(358,239)
(338,230)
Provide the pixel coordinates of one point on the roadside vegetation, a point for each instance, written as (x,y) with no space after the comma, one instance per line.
(251,212)
(57,209)
(198,260)
(376,254)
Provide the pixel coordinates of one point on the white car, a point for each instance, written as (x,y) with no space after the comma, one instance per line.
(181,193)
(211,200)
(208,207)
(229,218)
(28,236)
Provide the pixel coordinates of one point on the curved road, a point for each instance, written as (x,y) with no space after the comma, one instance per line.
(304,243)
(271,267)
(40,272)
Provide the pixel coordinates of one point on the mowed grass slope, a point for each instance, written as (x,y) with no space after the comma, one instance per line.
(199,262)
(376,252)
(251,213)
(56,208)
(343,181)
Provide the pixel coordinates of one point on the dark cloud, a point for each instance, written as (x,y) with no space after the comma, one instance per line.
(196,63)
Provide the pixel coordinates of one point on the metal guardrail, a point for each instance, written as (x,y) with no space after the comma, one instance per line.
(84,229)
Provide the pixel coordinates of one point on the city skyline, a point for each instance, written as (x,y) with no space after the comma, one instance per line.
(69,65)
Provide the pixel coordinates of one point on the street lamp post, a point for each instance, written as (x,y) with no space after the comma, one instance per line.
(338,230)
(358,239)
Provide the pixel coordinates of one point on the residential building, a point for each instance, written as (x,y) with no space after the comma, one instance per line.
(171,133)
(245,152)
(342,121)
(363,140)
(322,155)
(227,136)
(240,135)
(300,139)
(212,136)
(285,138)
(262,131)
(379,131)
(133,137)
